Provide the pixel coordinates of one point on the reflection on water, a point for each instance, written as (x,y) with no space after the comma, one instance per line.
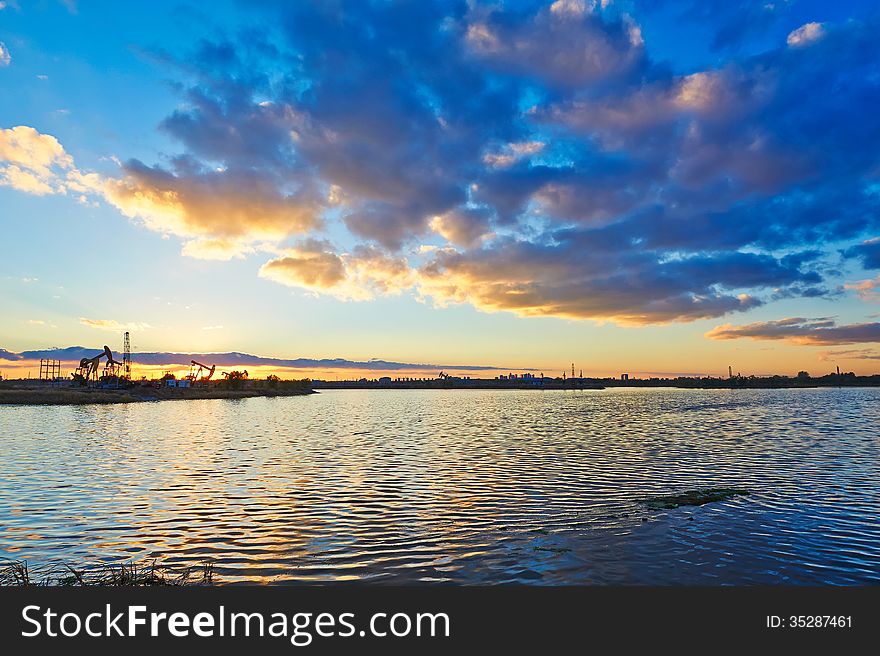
(463,486)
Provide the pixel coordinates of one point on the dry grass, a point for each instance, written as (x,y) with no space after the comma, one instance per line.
(18,574)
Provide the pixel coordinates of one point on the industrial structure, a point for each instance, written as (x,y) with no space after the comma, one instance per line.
(50,369)
(203,374)
(88,367)
(114,373)
(126,356)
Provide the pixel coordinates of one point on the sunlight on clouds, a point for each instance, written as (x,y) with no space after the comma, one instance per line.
(849,354)
(216,249)
(575,8)
(799,330)
(26,181)
(313,265)
(806,34)
(481,38)
(218,205)
(867,290)
(359,275)
(227,213)
(698,91)
(467,227)
(25,146)
(512,153)
(113,325)
(32,162)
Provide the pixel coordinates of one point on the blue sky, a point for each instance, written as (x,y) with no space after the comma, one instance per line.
(635,186)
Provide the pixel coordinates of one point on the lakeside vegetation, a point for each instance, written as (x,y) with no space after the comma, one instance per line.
(17,573)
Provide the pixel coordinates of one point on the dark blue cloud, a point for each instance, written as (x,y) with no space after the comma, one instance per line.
(9,355)
(868,253)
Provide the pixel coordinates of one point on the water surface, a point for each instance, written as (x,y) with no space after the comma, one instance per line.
(464,486)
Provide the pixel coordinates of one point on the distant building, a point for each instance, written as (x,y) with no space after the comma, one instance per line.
(624,376)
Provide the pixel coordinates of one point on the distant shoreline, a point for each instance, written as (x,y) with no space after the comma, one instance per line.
(535,383)
(30,393)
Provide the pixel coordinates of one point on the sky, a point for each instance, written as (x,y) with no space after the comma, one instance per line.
(633,186)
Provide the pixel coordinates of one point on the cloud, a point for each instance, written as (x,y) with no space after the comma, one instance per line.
(113,325)
(797,330)
(575,274)
(9,355)
(313,265)
(216,249)
(32,162)
(25,146)
(550,164)
(512,153)
(223,212)
(868,252)
(853,354)
(217,205)
(360,275)
(867,290)
(806,34)
(463,227)
(565,45)
(5,57)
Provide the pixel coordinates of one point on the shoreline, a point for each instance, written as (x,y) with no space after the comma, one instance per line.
(89,396)
(30,395)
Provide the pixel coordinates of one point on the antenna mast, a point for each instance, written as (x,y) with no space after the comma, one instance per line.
(126,356)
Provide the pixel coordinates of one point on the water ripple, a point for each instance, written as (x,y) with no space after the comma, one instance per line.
(455,486)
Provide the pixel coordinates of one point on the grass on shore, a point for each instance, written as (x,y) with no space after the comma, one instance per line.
(18,574)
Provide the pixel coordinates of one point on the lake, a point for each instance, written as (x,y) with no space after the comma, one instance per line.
(463,486)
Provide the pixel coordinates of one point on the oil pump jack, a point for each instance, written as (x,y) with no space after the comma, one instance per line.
(88,367)
(195,375)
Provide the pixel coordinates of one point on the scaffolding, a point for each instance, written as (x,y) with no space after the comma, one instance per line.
(50,369)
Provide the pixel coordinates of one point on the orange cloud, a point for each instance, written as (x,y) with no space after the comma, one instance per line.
(224,213)
(236,207)
(867,290)
(359,275)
